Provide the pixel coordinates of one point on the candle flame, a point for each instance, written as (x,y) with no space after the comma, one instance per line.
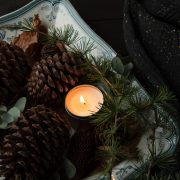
(82,101)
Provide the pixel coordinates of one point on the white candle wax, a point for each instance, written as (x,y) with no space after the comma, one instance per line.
(84,100)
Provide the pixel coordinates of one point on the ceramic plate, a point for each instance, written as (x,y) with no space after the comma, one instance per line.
(59,13)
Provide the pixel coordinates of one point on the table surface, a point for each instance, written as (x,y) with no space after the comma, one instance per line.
(104,17)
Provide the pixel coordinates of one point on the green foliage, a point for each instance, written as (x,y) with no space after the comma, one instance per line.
(7,117)
(163,161)
(120,68)
(82,47)
(128,67)
(164,96)
(68,35)
(70,169)
(26,26)
(117,65)
(122,103)
(3,109)
(162,176)
(20,104)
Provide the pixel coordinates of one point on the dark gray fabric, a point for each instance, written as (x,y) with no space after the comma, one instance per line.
(154,44)
(145,70)
(152,36)
(165,10)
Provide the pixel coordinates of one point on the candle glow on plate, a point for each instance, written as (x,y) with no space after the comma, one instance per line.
(84,100)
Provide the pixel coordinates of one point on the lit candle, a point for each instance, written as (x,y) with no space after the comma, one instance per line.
(84,100)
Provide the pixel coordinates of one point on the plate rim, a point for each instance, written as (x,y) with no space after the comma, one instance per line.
(81,22)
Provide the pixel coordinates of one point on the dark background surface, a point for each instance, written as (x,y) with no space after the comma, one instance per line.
(104,17)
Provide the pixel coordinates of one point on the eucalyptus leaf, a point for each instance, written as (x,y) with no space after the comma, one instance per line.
(128,67)
(3,108)
(69,167)
(21,103)
(14,112)
(7,118)
(103,87)
(117,65)
(3,125)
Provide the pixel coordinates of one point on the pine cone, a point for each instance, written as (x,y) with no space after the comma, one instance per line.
(13,71)
(82,150)
(34,146)
(55,74)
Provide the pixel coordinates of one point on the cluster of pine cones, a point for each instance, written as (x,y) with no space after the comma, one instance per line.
(34,146)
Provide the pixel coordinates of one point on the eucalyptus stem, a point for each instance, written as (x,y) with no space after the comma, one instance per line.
(116,119)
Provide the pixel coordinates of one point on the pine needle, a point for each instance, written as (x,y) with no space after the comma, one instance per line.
(83,47)
(68,35)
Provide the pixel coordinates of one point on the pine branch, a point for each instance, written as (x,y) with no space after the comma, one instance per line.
(164,96)
(123,102)
(26,26)
(165,162)
(83,47)
(68,35)
(163,175)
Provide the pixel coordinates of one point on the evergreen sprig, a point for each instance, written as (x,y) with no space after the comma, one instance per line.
(159,165)
(68,35)
(122,103)
(83,47)
(161,176)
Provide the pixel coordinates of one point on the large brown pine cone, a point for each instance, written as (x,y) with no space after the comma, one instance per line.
(82,150)
(34,146)
(56,73)
(13,71)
